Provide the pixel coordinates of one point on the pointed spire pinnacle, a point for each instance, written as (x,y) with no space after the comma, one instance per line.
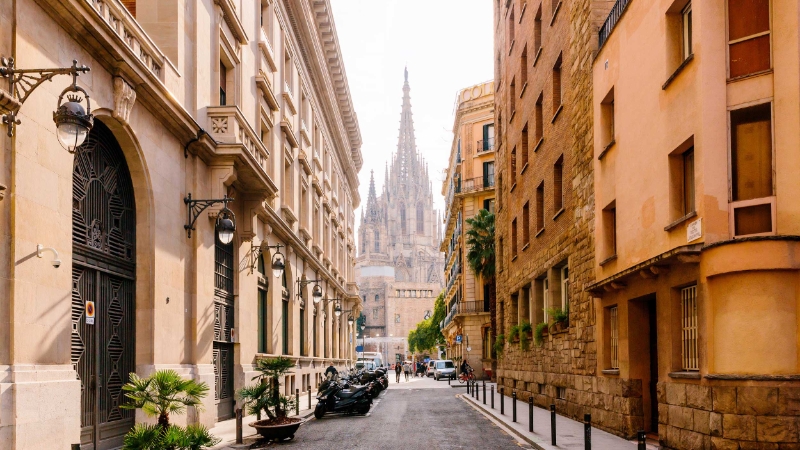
(406,73)
(406,159)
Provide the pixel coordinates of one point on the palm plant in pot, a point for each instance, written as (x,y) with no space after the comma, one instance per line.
(265,397)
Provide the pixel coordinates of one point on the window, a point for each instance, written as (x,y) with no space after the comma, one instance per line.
(545,299)
(403,219)
(524,148)
(513,166)
(500,190)
(511,28)
(512,101)
(557,98)
(748,37)
(689,352)
(526,224)
(287,72)
(488,138)
(377,241)
(488,204)
(285,324)
(751,167)
(514,238)
(420,219)
(610,229)
(488,174)
(375,313)
(558,188)
(561,393)
(303,351)
(377,297)
(565,288)
(262,318)
(613,337)
(540,207)
(688,181)
(686,30)
(397,318)
(223,84)
(537,33)
(607,119)
(314,334)
(539,122)
(523,67)
(500,254)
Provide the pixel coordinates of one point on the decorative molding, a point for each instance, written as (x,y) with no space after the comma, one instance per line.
(222,176)
(124,98)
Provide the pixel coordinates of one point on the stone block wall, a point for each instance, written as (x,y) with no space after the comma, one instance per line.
(693,416)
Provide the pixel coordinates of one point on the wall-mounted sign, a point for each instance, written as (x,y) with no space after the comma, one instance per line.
(694,230)
(90,311)
(458,339)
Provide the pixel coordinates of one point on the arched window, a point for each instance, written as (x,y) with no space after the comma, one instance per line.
(420,219)
(261,268)
(402,219)
(377,241)
(377,297)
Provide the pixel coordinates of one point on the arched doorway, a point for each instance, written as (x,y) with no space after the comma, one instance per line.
(103,272)
(223,326)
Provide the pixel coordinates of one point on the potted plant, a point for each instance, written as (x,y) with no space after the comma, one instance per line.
(560,318)
(499,345)
(513,333)
(265,397)
(158,395)
(525,330)
(538,335)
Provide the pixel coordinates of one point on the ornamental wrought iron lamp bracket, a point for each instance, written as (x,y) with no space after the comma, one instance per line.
(278,260)
(226,220)
(72,120)
(316,291)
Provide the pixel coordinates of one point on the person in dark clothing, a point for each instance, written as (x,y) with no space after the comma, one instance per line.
(397,370)
(331,370)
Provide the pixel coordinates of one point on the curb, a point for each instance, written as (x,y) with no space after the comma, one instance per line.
(499,422)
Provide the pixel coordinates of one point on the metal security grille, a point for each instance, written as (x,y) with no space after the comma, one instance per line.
(612,315)
(104,242)
(689,354)
(223,267)
(222,356)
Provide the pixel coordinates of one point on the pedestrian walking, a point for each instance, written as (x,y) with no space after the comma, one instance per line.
(406,369)
(397,370)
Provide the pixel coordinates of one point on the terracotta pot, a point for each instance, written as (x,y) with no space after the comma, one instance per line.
(276,432)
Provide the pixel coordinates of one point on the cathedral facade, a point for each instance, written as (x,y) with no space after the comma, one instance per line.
(399,265)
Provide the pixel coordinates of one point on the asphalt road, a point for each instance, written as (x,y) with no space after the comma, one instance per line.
(420,414)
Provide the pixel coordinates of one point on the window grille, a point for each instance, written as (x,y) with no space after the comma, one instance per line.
(689,352)
(614,337)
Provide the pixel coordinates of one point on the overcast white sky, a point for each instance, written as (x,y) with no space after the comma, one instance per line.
(447,45)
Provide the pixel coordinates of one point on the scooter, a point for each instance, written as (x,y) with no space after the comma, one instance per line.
(334,397)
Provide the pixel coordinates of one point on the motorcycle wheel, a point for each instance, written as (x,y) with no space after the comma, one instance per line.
(319,411)
(363,409)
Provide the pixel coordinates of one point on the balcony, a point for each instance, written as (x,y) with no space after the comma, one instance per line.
(286,126)
(234,137)
(264,84)
(485,145)
(317,185)
(611,21)
(289,98)
(475,307)
(477,184)
(304,132)
(266,50)
(304,163)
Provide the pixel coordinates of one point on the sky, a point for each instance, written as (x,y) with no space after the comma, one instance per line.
(446,45)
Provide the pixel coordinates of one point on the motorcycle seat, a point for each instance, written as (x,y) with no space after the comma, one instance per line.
(347,393)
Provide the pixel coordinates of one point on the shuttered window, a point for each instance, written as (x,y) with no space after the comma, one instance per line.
(513,166)
(557,96)
(614,337)
(526,224)
(514,237)
(558,189)
(689,351)
(540,207)
(748,36)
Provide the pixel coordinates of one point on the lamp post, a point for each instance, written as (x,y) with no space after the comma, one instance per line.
(226,220)
(278,260)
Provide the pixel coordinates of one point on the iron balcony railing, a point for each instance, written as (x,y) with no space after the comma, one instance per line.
(451,247)
(478,306)
(449,317)
(455,271)
(477,184)
(485,145)
(611,21)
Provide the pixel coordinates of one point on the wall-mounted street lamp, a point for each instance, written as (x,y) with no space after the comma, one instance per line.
(73,122)
(226,220)
(316,291)
(278,260)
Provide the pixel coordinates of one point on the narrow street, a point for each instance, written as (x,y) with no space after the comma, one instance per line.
(420,414)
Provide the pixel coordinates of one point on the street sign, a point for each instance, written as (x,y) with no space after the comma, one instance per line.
(458,339)
(359,348)
(90,312)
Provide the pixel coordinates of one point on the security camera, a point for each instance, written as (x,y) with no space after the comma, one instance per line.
(41,249)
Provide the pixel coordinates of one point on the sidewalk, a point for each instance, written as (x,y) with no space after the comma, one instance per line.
(569,433)
(226,430)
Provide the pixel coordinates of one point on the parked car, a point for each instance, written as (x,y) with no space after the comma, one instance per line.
(444,369)
(431,367)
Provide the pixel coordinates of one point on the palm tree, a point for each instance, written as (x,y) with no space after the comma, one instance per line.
(481,257)
(162,393)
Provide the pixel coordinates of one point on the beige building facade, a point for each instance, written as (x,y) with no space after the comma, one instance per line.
(211,98)
(399,266)
(468,187)
(696,132)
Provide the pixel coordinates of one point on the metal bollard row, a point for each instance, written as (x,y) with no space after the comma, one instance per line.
(530,413)
(514,406)
(553,424)
(587,431)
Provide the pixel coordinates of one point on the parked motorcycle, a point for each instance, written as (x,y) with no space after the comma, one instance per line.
(335,396)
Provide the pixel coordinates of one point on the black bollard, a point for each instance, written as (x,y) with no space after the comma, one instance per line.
(477,392)
(530,413)
(492,391)
(484,392)
(514,406)
(553,423)
(502,401)
(587,431)
(309,396)
(469,387)
(641,437)
(297,402)
(238,425)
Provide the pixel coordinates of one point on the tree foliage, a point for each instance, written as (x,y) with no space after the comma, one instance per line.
(480,244)
(265,395)
(427,334)
(163,393)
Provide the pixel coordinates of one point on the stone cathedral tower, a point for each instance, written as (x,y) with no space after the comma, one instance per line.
(399,264)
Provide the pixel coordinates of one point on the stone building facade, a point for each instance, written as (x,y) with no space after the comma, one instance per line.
(468,187)
(399,266)
(696,181)
(247,99)
(545,209)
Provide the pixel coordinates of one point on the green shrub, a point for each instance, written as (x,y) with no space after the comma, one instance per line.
(558,315)
(538,334)
(524,329)
(499,344)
